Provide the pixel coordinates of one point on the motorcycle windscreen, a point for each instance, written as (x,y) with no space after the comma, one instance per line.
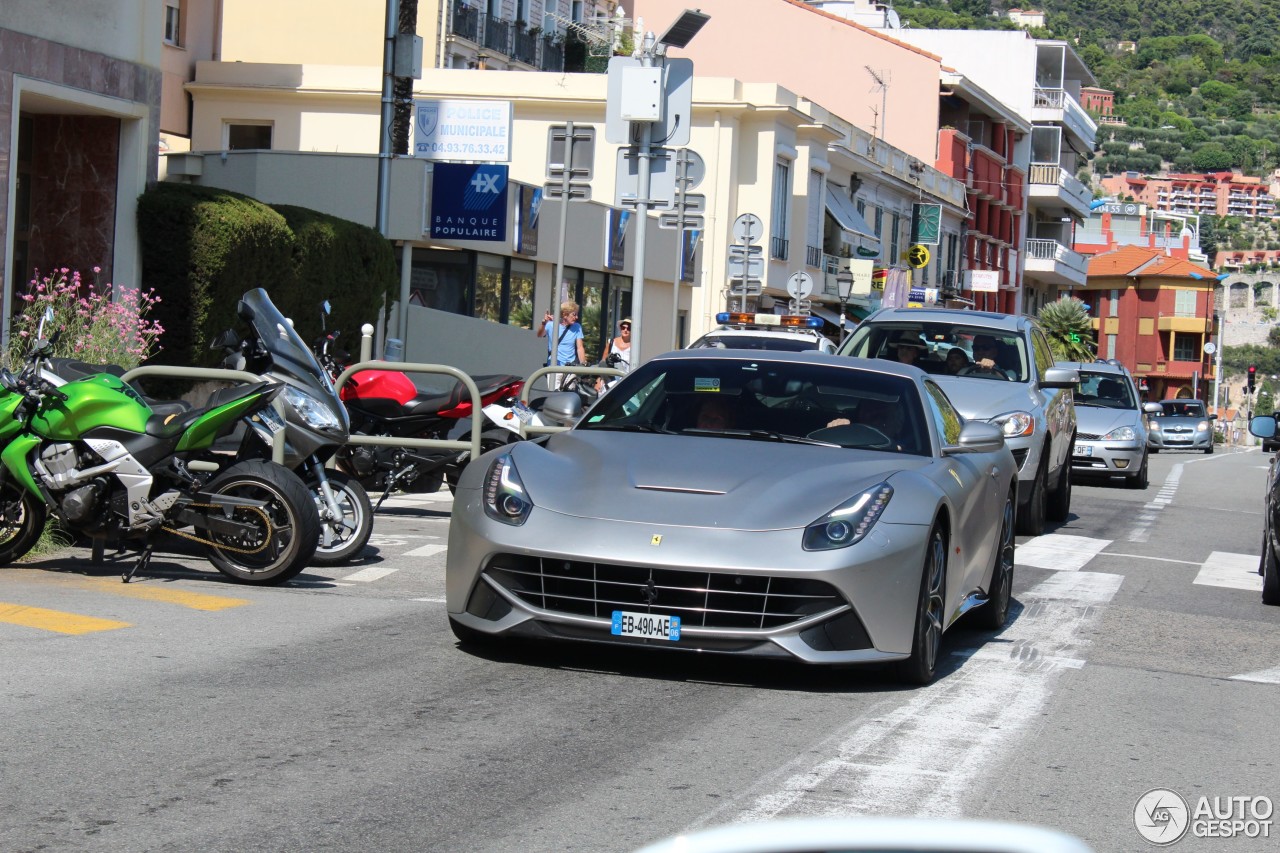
(288,353)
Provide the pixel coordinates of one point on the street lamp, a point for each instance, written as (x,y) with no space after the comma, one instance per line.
(844,286)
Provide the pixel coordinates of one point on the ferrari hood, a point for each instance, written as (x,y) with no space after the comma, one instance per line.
(980,399)
(700,481)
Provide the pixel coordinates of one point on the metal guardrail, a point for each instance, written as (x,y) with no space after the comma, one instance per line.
(214,374)
(579,369)
(418,367)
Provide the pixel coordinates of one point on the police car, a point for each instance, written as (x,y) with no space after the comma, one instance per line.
(790,332)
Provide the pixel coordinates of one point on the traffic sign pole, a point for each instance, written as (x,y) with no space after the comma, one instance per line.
(682,169)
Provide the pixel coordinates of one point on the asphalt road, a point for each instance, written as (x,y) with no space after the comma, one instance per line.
(338,713)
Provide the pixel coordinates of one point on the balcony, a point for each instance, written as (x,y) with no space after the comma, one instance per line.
(497,34)
(813,256)
(1052,262)
(466,23)
(524,47)
(1177,323)
(779,248)
(552,55)
(1054,187)
(1057,106)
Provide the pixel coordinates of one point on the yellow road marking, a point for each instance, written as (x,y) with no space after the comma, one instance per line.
(55,620)
(146,592)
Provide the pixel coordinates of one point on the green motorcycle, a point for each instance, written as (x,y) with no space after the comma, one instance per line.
(94,455)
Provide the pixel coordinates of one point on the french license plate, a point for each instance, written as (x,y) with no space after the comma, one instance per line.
(653,626)
(523,412)
(1084,451)
(269,418)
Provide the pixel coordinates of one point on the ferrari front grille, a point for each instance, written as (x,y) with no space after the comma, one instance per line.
(701,599)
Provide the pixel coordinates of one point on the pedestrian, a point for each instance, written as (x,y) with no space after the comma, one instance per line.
(621,346)
(569,349)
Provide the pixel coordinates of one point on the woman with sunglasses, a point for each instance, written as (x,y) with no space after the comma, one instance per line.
(621,346)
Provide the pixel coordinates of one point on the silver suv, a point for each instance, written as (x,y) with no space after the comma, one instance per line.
(996,368)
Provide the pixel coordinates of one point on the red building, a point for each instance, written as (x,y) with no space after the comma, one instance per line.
(997,192)
(1154,313)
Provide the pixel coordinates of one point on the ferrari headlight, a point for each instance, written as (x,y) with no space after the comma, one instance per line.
(1124,433)
(505,498)
(1014,424)
(850,522)
(313,412)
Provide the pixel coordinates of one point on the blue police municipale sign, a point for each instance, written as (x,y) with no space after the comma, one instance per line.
(469,201)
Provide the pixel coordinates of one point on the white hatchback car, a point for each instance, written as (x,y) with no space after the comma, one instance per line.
(787,332)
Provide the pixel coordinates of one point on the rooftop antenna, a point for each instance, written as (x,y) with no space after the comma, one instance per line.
(602,33)
(883,87)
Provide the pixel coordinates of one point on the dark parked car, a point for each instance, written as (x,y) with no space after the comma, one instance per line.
(1273,443)
(1264,427)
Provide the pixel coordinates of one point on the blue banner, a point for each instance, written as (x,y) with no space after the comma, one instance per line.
(469,201)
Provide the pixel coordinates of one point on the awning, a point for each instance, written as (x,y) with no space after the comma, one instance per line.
(856,313)
(846,214)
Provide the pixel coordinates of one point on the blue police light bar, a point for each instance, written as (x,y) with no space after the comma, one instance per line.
(722,317)
(814,322)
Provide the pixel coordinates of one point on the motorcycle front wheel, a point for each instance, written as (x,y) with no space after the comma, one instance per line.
(348,535)
(22,518)
(270,551)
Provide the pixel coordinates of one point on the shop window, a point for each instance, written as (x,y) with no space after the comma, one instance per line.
(490,274)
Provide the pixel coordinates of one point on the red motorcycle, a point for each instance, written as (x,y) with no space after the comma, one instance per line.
(388,403)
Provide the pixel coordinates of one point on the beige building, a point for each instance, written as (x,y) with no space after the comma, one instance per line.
(826,188)
(79,119)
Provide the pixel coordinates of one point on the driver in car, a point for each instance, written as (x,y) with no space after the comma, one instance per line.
(985,353)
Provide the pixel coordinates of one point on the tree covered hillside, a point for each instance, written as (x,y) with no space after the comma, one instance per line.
(1201,92)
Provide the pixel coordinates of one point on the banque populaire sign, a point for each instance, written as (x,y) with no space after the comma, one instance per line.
(469,201)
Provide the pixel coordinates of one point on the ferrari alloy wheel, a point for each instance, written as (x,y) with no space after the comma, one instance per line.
(995,612)
(22,518)
(1270,574)
(926,642)
(1031,516)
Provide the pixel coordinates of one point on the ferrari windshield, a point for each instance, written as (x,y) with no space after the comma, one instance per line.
(765,400)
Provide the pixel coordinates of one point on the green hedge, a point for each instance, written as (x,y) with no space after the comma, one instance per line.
(202,248)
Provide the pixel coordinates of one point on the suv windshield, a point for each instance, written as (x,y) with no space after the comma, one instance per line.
(1106,390)
(946,349)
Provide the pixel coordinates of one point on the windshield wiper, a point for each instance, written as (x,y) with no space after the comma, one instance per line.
(757,435)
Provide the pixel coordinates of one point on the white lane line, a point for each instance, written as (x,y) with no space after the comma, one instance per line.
(430,600)
(924,756)
(426,551)
(1059,551)
(1235,571)
(1149,557)
(1265,676)
(372,573)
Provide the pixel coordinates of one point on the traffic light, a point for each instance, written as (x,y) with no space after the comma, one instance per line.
(1253,377)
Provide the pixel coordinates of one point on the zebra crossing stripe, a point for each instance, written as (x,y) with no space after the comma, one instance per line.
(1236,571)
(55,620)
(1059,551)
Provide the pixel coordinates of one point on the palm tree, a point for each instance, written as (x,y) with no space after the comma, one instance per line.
(1070,332)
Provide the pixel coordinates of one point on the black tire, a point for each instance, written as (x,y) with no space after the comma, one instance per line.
(357,515)
(488,441)
(1140,480)
(1031,514)
(1155,450)
(1059,503)
(992,615)
(294,524)
(471,637)
(22,517)
(1270,574)
(926,640)
(1209,449)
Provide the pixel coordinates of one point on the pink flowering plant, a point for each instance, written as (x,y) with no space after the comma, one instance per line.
(99,324)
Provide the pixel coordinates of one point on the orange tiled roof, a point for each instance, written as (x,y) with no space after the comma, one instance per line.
(1141,261)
